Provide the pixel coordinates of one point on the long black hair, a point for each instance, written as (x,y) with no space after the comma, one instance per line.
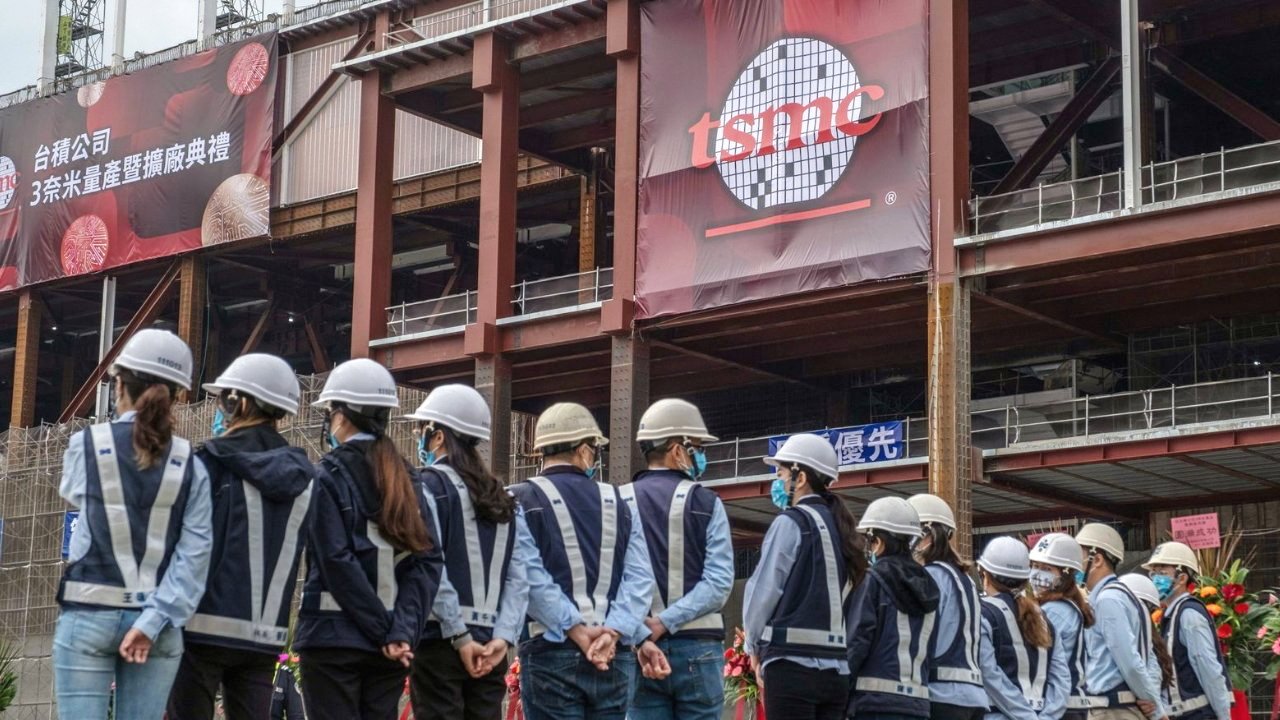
(400,517)
(488,496)
(851,543)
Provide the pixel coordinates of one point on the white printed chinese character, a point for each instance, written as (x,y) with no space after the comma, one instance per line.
(849,448)
(883,444)
(132,168)
(80,150)
(195,152)
(42,158)
(92,179)
(35,193)
(52,189)
(153,163)
(61,152)
(219,147)
(111,175)
(71,184)
(173,158)
(102,141)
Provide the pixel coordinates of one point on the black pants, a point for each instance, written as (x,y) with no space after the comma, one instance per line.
(442,689)
(795,692)
(247,678)
(943,711)
(342,684)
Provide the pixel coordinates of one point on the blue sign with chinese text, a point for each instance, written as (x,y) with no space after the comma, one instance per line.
(860,444)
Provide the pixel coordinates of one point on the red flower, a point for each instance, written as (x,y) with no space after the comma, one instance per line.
(728,654)
(1224,630)
(1242,608)
(1232,591)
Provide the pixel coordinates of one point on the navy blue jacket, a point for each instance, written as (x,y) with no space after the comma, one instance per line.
(347,601)
(802,623)
(261,492)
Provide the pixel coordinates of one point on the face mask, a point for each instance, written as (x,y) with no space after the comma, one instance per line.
(1081,578)
(1164,585)
(699,458)
(872,557)
(219,422)
(595,464)
(1043,580)
(425,456)
(778,494)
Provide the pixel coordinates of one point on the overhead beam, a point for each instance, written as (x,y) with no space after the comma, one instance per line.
(1048,320)
(260,327)
(1087,99)
(461,100)
(1084,18)
(1215,467)
(1236,107)
(733,364)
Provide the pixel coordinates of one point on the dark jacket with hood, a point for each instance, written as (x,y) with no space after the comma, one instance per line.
(361,593)
(891,638)
(261,493)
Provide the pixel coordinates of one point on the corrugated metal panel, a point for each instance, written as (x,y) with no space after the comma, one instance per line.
(322,158)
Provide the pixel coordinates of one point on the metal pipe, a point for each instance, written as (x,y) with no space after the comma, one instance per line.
(50,15)
(206,23)
(117,39)
(1131,93)
(106,336)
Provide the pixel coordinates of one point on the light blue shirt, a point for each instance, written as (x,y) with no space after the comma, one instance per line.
(178,594)
(1066,624)
(1007,699)
(710,593)
(1114,655)
(1058,685)
(515,595)
(764,590)
(549,605)
(948,619)
(1201,641)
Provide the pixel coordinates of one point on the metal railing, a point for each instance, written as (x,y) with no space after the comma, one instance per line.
(465,17)
(566,291)
(442,313)
(1181,179)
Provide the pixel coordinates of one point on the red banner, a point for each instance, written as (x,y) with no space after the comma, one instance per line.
(784,148)
(140,166)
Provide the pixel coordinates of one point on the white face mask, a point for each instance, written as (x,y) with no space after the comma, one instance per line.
(1043,580)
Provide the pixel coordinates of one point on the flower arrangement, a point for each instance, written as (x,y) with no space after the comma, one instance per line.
(1268,636)
(515,710)
(1236,617)
(741,684)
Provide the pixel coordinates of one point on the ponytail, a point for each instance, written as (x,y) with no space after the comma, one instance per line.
(488,496)
(1164,659)
(851,543)
(153,425)
(400,516)
(1031,621)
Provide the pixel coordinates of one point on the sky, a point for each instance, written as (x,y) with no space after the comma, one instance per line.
(151,25)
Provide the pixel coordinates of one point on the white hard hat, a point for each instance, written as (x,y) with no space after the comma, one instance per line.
(1141,586)
(809,450)
(1059,550)
(1176,554)
(673,418)
(360,383)
(933,509)
(1102,537)
(1006,557)
(564,423)
(458,407)
(159,354)
(892,515)
(264,377)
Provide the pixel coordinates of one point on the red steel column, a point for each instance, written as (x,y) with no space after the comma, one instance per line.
(493,75)
(622,42)
(951,458)
(26,360)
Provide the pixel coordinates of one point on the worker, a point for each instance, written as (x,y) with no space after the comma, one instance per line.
(955,674)
(460,664)
(686,530)
(795,601)
(261,495)
(139,552)
(1118,664)
(1026,677)
(1145,590)
(1055,560)
(1202,688)
(892,617)
(594,583)
(373,564)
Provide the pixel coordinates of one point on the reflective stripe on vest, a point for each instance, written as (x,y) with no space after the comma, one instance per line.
(594,607)
(484,608)
(265,611)
(971,672)
(911,666)
(835,635)
(1179,705)
(139,578)
(1032,687)
(386,571)
(675,557)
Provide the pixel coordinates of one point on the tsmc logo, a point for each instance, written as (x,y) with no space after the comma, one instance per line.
(8,181)
(788,127)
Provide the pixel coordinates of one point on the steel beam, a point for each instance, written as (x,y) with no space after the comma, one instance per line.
(1091,506)
(26,359)
(717,360)
(1237,108)
(1077,111)
(1048,320)
(1215,467)
(373,237)
(493,381)
(622,43)
(259,327)
(628,399)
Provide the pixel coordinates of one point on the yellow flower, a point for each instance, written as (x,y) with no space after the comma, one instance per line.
(1214,610)
(1157,616)
(1208,591)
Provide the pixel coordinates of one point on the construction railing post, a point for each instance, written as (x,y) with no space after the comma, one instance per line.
(106,336)
(26,360)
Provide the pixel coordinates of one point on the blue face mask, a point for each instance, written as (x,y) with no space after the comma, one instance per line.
(333,441)
(872,558)
(1164,585)
(778,494)
(1081,578)
(595,464)
(425,456)
(219,422)
(699,458)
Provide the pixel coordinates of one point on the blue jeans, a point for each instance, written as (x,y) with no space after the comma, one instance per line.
(557,683)
(695,688)
(86,660)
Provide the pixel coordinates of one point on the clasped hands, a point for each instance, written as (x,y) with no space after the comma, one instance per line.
(480,660)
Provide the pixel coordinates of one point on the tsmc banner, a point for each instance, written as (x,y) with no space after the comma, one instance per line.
(783,148)
(139,166)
